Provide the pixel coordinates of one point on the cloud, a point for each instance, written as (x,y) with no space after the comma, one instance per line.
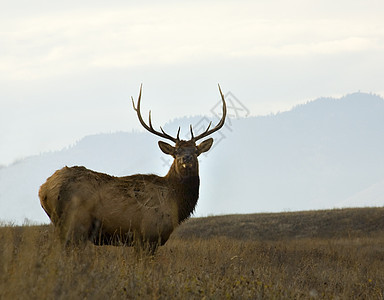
(63,42)
(327,47)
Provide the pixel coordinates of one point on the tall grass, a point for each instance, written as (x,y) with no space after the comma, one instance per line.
(33,265)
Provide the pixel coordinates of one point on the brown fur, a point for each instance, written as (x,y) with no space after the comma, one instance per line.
(138,209)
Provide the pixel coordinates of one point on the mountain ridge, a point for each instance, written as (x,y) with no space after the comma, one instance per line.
(323,154)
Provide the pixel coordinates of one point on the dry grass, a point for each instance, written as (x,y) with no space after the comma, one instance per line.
(345,260)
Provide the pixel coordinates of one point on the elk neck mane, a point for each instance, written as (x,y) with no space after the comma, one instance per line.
(186,190)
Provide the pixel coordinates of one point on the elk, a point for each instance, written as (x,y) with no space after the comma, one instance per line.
(139,210)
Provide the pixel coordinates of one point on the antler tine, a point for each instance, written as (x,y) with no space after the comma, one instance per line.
(219,125)
(167,136)
(178,133)
(150,127)
(138,102)
(190,127)
(150,121)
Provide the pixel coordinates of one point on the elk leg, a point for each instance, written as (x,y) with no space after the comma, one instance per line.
(78,224)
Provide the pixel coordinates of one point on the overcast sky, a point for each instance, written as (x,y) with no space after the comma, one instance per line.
(68,68)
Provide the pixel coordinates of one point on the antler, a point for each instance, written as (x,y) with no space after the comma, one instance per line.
(163,134)
(150,128)
(217,127)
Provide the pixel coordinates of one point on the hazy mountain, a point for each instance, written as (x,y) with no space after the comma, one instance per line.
(323,154)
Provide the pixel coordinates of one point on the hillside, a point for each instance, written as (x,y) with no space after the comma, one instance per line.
(327,153)
(324,224)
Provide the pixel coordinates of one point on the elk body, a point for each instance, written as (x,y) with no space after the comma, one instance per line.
(140,210)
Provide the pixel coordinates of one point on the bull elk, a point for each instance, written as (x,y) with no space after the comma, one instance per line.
(140,210)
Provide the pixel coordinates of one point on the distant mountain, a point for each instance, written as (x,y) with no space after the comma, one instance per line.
(323,154)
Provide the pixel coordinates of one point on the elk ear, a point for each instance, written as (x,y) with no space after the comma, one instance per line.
(204,146)
(166,148)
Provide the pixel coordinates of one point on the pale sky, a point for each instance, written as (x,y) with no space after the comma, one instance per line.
(68,69)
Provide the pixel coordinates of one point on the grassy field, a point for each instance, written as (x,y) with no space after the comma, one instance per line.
(298,255)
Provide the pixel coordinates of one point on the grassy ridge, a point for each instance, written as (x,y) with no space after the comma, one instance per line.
(337,223)
(324,254)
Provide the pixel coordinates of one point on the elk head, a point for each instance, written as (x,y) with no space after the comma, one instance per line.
(185,153)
